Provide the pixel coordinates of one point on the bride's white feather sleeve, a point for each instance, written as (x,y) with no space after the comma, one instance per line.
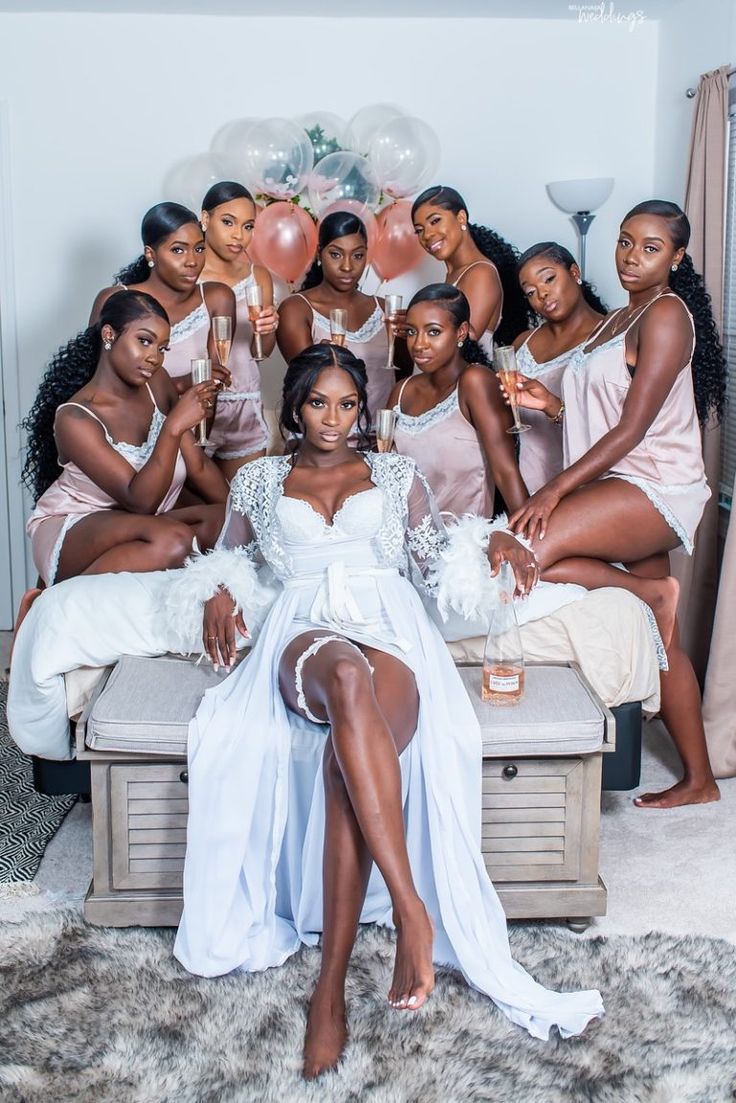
(234,565)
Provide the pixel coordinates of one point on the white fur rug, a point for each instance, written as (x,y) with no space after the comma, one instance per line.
(96,1015)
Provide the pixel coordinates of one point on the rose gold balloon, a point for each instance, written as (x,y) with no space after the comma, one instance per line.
(366,217)
(285,240)
(397,250)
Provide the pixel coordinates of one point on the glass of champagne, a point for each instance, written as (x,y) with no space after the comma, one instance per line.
(338,326)
(385,425)
(222,332)
(201,371)
(254,299)
(393,306)
(504,361)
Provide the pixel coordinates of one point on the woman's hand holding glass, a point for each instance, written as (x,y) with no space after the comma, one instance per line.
(219,628)
(503,548)
(194,404)
(532,394)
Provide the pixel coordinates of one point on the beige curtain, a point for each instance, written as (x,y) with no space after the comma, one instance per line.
(705,208)
(719,700)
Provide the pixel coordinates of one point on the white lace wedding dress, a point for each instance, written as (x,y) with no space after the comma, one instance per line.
(253,873)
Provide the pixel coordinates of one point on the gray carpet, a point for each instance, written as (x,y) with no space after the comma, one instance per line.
(92,1014)
(28,820)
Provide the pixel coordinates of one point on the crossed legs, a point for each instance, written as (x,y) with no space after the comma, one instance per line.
(372,719)
(611,521)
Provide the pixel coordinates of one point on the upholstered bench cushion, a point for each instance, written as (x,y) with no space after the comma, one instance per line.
(556,716)
(147,704)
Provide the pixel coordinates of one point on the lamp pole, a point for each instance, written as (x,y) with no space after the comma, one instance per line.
(582,220)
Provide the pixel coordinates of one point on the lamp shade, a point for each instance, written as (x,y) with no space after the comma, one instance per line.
(580,195)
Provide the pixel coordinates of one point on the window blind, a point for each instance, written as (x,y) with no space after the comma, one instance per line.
(728,427)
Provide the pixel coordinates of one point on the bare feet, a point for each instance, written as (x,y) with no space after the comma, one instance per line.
(23,610)
(327,1032)
(662,595)
(684,792)
(413,978)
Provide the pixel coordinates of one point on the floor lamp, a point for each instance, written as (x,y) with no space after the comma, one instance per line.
(578,198)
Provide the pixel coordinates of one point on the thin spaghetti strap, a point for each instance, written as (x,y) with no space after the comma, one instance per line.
(474,264)
(298,295)
(201,291)
(150,395)
(87,411)
(401,391)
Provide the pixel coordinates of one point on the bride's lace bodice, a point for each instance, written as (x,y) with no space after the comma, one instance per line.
(394,524)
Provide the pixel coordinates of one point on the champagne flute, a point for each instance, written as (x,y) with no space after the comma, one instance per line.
(201,371)
(385,425)
(222,332)
(254,299)
(338,326)
(504,361)
(393,306)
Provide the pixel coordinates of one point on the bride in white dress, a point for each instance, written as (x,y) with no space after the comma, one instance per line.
(390,829)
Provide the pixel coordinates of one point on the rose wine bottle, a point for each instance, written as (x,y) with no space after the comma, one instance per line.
(503,658)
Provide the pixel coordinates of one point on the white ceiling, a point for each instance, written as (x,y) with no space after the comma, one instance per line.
(420,9)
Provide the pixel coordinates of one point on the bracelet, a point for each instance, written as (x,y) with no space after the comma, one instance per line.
(558,416)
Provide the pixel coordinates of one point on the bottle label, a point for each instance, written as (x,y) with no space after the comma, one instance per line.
(509,684)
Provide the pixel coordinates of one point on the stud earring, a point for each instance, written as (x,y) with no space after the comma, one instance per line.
(675,267)
(463,226)
(579,281)
(460,344)
(150,264)
(108,346)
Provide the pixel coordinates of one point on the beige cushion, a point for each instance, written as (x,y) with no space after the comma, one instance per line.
(557,715)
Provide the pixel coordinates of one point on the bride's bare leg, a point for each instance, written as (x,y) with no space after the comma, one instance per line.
(366,725)
(614,520)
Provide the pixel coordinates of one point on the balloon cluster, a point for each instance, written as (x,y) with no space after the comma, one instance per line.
(302,169)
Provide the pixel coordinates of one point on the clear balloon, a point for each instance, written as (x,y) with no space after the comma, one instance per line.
(228,149)
(366,217)
(405,153)
(343,176)
(326,132)
(285,240)
(188,180)
(397,250)
(279,157)
(366,122)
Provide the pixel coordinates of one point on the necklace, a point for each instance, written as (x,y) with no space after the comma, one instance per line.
(622,320)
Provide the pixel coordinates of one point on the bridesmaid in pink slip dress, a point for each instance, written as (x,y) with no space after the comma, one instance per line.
(169,270)
(451,419)
(478,261)
(125,449)
(634,486)
(570,310)
(238,432)
(333,282)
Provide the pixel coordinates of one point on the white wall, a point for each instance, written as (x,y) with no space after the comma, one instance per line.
(100,106)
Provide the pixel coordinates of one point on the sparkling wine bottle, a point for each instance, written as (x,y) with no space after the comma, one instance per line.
(503,658)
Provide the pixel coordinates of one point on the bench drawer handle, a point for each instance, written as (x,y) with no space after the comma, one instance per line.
(184,777)
(510,771)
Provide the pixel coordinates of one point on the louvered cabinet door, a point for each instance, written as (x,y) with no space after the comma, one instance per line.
(532,812)
(148,813)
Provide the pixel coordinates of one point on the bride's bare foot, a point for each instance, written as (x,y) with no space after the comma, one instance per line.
(662,595)
(413,978)
(327,1032)
(23,610)
(684,792)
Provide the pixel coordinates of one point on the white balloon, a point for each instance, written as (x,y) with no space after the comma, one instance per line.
(189,180)
(405,154)
(343,175)
(366,122)
(228,150)
(279,157)
(326,132)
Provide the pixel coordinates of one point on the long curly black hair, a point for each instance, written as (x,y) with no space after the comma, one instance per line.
(709,363)
(516,316)
(558,254)
(301,373)
(157,224)
(457,306)
(73,365)
(335,225)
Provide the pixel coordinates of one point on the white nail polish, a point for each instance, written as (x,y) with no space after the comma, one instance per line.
(412,1000)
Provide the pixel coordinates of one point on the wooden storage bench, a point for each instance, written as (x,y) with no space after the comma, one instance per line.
(541,791)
